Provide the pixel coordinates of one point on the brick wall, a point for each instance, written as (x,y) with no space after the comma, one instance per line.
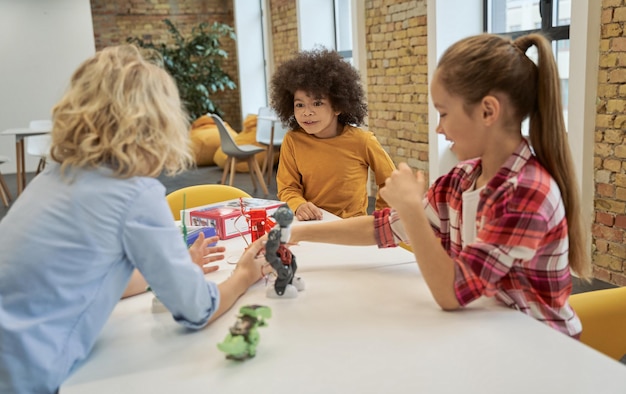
(284,30)
(115,20)
(397,88)
(397,78)
(609,228)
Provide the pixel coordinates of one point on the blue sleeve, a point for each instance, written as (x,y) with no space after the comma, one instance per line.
(155,246)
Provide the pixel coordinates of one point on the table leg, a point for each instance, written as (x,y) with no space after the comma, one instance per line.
(233,168)
(269,158)
(264,166)
(4,192)
(254,165)
(21,166)
(270,164)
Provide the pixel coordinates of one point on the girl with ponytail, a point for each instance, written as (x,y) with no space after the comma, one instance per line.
(505,222)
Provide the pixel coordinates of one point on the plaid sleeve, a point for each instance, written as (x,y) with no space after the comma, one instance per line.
(388,229)
(382,229)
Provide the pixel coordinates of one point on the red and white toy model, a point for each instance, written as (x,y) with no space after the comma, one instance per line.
(258,221)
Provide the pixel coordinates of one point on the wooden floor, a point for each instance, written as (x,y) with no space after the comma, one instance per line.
(213,174)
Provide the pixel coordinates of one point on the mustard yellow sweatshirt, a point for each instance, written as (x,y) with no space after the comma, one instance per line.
(331,172)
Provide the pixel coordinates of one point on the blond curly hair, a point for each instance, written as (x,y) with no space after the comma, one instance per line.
(124,112)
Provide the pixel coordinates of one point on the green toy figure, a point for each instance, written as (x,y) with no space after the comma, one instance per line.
(240,343)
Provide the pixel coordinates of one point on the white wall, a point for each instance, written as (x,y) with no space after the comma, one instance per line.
(583,88)
(448,22)
(250,52)
(41,43)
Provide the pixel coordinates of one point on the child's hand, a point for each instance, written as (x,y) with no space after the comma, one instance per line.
(403,189)
(201,253)
(308,211)
(294,235)
(251,262)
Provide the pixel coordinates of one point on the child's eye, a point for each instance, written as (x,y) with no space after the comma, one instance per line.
(298,105)
(319,103)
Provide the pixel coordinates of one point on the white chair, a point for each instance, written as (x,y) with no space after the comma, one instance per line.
(4,189)
(40,125)
(39,145)
(270,133)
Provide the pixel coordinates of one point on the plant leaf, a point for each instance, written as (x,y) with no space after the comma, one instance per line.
(195,64)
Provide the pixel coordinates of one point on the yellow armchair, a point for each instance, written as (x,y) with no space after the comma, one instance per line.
(198,195)
(603,316)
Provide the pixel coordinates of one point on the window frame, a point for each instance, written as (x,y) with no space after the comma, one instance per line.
(546,11)
(553,33)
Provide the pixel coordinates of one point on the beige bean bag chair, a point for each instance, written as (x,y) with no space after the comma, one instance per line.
(205,140)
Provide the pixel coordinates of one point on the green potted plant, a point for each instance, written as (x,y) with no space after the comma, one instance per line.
(195,63)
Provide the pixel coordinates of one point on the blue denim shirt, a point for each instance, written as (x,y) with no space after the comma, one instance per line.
(68,247)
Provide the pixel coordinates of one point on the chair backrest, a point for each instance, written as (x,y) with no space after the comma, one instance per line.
(40,125)
(264,127)
(38,145)
(228,144)
(603,316)
(199,195)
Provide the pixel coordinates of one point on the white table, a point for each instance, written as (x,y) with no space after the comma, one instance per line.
(268,163)
(366,323)
(20,134)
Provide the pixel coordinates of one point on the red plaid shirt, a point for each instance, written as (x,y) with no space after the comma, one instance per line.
(521,246)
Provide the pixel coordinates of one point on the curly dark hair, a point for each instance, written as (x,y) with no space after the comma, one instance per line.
(323,74)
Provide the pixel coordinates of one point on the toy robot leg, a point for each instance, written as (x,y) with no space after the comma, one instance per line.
(290,292)
(298,283)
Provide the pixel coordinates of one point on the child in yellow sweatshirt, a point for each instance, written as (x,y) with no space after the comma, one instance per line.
(325,157)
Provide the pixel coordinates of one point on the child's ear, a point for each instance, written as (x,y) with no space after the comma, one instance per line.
(490,107)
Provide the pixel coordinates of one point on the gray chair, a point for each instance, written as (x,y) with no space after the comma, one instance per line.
(5,195)
(236,152)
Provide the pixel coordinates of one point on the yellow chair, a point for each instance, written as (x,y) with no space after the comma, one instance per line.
(198,195)
(406,246)
(603,316)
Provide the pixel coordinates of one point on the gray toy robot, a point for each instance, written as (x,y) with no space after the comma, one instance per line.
(280,257)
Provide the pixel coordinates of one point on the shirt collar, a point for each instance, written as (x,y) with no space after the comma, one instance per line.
(512,166)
